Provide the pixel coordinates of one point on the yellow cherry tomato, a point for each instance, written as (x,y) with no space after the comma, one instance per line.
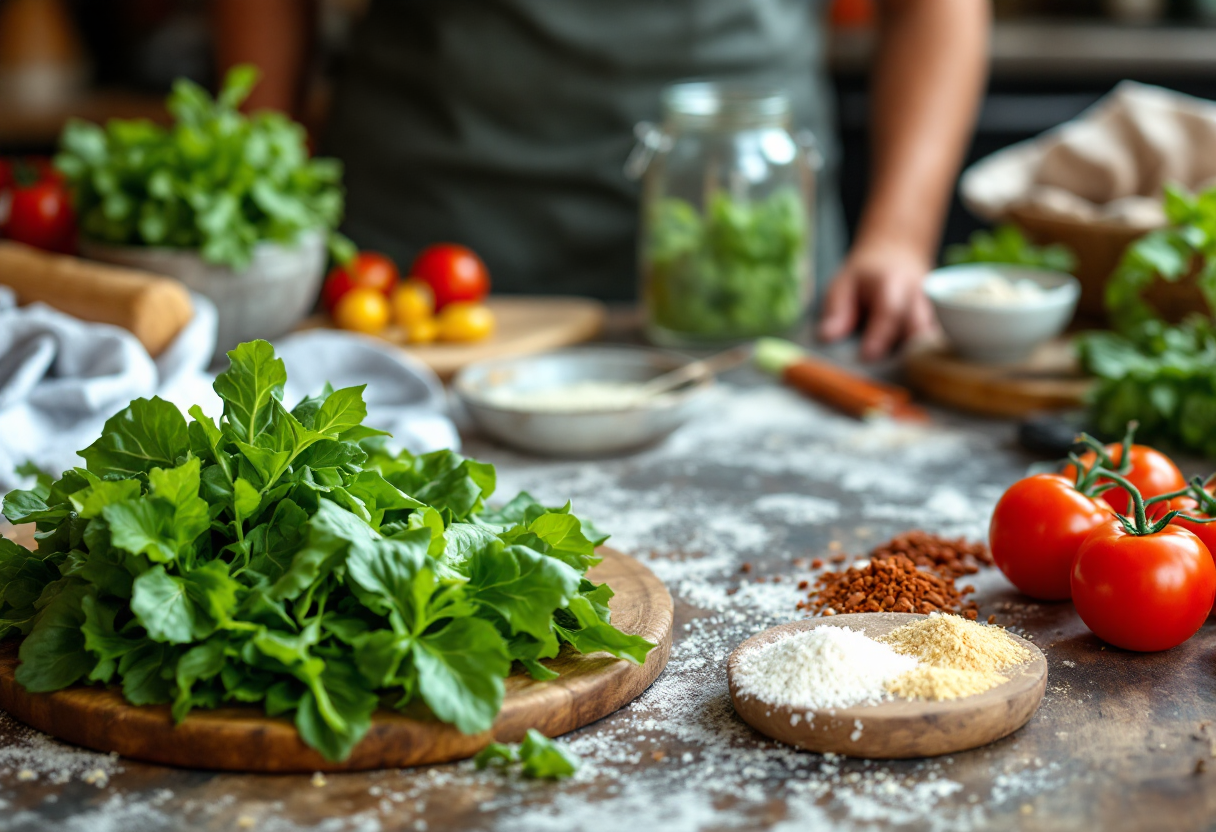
(362,310)
(412,301)
(465,321)
(422,332)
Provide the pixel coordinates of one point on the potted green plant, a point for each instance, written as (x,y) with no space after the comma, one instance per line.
(233,205)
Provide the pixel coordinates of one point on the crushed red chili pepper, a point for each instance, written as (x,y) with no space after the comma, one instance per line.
(949,557)
(893,584)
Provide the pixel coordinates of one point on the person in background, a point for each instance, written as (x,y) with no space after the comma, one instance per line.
(504,125)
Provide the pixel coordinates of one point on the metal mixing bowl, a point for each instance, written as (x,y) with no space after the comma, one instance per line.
(584,432)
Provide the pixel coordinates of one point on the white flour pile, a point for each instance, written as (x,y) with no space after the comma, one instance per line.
(826,667)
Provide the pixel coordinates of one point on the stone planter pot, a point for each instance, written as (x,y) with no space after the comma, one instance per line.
(266,299)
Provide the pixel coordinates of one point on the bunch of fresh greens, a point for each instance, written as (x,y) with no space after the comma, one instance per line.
(1007,244)
(538,756)
(285,557)
(1160,375)
(740,270)
(216,181)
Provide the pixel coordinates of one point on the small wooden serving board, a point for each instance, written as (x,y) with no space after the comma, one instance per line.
(523,326)
(243,738)
(1049,380)
(899,728)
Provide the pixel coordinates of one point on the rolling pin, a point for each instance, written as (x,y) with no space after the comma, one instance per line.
(154,309)
(825,382)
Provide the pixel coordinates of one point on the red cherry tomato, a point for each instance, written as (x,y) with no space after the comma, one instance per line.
(41,215)
(1152,472)
(1143,592)
(369,270)
(453,272)
(1037,527)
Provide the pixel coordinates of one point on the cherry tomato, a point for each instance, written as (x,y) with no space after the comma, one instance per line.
(422,332)
(362,310)
(453,272)
(1037,527)
(41,215)
(412,301)
(369,270)
(463,321)
(1143,592)
(1152,472)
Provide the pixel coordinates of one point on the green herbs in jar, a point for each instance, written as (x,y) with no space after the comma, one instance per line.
(738,270)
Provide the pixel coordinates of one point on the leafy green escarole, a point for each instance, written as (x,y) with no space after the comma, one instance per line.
(285,557)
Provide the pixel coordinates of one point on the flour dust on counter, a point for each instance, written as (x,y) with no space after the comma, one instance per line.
(764,478)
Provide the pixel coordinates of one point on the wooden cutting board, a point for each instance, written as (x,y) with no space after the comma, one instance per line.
(244,739)
(1049,380)
(899,728)
(525,325)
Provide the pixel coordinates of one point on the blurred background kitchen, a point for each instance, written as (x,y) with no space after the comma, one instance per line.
(1050,60)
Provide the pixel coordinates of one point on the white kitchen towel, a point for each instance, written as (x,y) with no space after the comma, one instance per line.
(1108,166)
(61,378)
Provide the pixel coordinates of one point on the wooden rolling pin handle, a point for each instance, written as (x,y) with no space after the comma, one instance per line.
(154,309)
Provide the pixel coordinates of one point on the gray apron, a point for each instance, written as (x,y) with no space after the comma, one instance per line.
(504,124)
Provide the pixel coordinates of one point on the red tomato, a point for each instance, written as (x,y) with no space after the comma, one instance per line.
(369,270)
(1037,527)
(1143,592)
(41,215)
(1152,472)
(453,272)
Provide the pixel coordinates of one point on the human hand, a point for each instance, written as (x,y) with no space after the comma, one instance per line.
(884,282)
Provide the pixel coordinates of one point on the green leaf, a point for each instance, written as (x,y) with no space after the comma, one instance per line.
(254,378)
(342,410)
(53,655)
(460,673)
(181,609)
(149,433)
(593,635)
(342,686)
(522,586)
(543,758)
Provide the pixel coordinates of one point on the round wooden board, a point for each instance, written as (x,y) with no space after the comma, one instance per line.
(523,325)
(245,739)
(899,728)
(1049,380)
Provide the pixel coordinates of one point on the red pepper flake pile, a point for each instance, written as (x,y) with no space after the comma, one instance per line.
(892,584)
(949,557)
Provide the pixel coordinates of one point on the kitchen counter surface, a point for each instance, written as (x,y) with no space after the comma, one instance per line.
(1121,742)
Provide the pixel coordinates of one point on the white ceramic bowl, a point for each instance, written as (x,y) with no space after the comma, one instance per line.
(1001,334)
(266,299)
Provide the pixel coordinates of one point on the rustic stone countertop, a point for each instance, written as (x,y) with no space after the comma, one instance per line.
(763,477)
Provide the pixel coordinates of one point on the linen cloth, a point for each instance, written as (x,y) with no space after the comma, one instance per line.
(1107,166)
(61,378)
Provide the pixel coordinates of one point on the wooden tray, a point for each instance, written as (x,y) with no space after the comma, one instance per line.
(525,325)
(1049,380)
(243,738)
(899,728)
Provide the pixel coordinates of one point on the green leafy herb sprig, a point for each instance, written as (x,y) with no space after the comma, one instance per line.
(287,558)
(1162,375)
(1007,244)
(216,181)
(539,757)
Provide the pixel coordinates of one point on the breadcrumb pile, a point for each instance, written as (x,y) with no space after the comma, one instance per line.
(958,657)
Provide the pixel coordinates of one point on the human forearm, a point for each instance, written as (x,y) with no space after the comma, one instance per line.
(272,34)
(926,88)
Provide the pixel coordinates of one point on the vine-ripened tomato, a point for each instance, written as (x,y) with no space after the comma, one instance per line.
(369,270)
(362,310)
(453,272)
(1036,529)
(1143,592)
(40,215)
(1152,472)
